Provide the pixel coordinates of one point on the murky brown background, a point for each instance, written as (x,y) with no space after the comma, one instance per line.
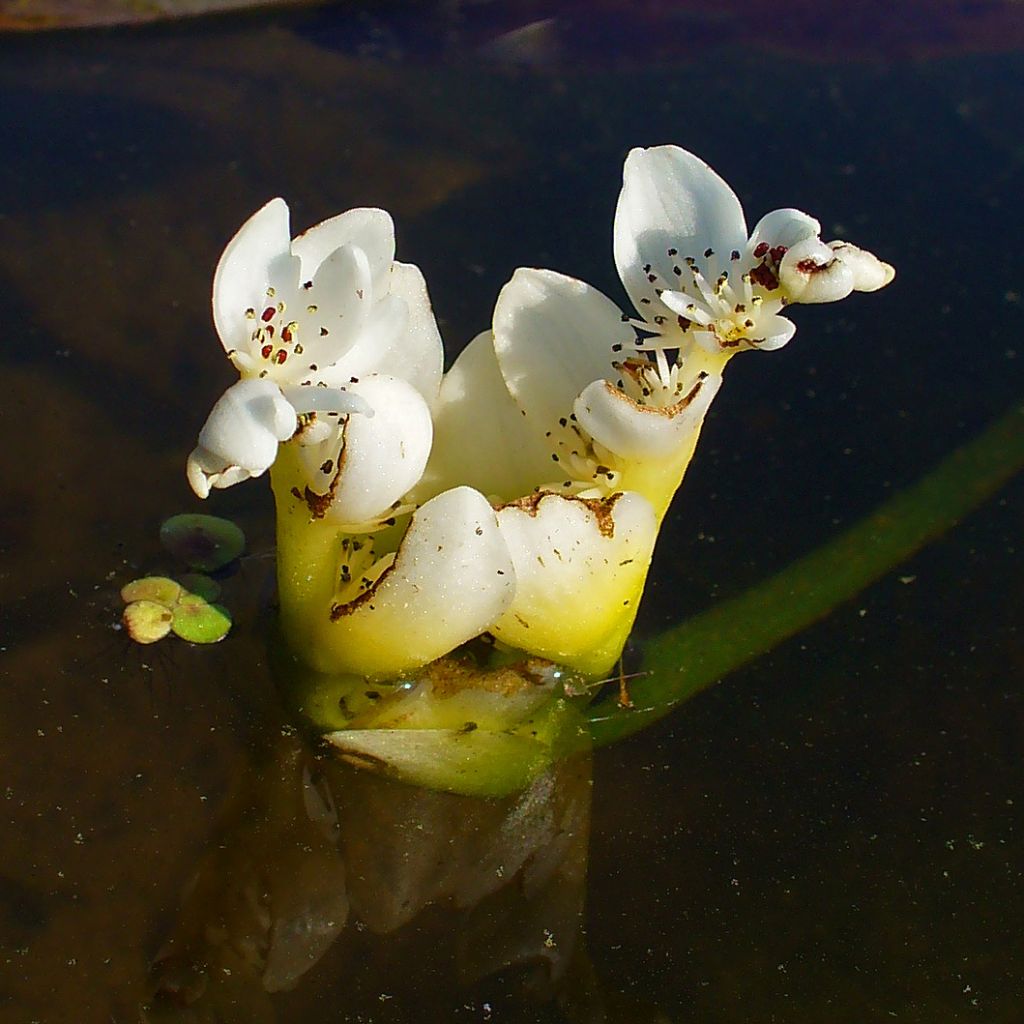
(832,834)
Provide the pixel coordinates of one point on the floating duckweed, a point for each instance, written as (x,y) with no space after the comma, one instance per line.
(202,542)
(156,605)
(199,622)
(159,589)
(147,621)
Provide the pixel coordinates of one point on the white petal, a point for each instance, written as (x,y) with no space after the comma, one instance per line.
(869,272)
(811,273)
(784,227)
(398,337)
(340,401)
(383,455)
(481,437)
(670,200)
(419,353)
(243,273)
(451,580)
(240,436)
(580,568)
(375,347)
(553,335)
(370,230)
(341,298)
(773,332)
(247,419)
(206,470)
(633,431)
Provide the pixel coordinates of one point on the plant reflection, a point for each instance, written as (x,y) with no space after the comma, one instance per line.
(324,864)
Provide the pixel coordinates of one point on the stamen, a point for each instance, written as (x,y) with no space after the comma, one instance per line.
(664,373)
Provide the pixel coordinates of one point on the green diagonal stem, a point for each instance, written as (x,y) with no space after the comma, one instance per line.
(690,657)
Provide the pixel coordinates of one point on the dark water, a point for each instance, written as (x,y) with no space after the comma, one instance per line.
(833,834)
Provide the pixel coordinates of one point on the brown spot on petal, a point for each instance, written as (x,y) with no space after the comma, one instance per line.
(811,266)
(668,411)
(339,611)
(319,504)
(600,508)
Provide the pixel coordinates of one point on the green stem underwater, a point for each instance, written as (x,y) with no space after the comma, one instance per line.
(691,656)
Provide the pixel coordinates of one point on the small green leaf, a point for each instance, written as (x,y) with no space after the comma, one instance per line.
(158,589)
(202,542)
(198,622)
(147,621)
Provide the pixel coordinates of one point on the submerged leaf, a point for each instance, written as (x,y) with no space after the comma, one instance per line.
(202,542)
(697,653)
(470,760)
(477,762)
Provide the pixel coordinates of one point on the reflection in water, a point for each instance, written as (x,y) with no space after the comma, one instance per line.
(319,862)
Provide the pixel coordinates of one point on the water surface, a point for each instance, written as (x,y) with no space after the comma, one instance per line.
(833,833)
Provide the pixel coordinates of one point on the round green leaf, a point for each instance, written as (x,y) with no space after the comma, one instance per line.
(147,621)
(159,589)
(198,622)
(202,542)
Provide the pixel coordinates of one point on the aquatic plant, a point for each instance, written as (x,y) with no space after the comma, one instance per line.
(517,497)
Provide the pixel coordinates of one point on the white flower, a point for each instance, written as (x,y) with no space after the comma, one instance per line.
(579,421)
(308,320)
(685,260)
(240,436)
(521,495)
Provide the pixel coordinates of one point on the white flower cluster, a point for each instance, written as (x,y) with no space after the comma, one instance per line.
(520,493)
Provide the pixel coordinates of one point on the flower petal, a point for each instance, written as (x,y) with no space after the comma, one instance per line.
(774,332)
(240,437)
(784,227)
(326,400)
(869,272)
(368,229)
(382,456)
(340,302)
(378,346)
(422,352)
(452,578)
(399,337)
(580,568)
(243,272)
(639,432)
(481,437)
(810,272)
(554,335)
(672,205)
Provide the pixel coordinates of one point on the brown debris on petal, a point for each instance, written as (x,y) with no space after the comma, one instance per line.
(601,508)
